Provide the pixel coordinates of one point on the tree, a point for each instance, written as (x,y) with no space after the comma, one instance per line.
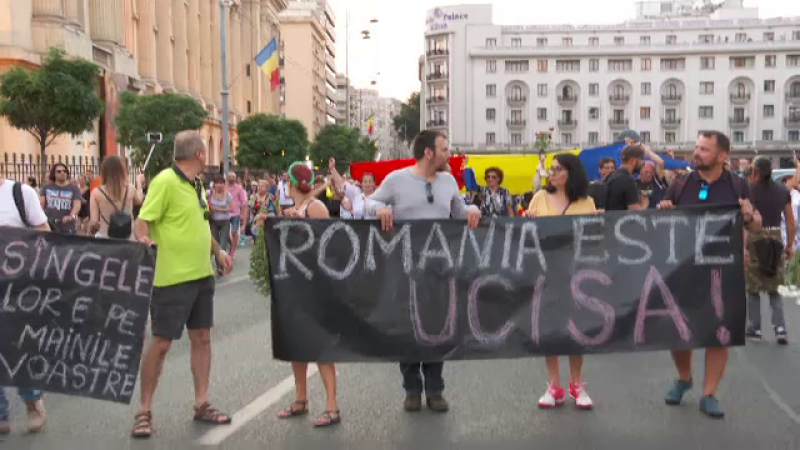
(406,124)
(60,97)
(166,113)
(543,139)
(271,142)
(345,144)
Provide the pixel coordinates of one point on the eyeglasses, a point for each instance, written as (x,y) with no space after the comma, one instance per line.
(703,195)
(557,169)
(429,192)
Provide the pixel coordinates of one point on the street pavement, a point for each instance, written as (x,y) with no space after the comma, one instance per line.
(493,403)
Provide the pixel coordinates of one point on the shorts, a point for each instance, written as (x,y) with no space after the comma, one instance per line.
(236,222)
(189,304)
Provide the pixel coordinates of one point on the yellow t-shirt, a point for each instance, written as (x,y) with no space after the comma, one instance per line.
(540,206)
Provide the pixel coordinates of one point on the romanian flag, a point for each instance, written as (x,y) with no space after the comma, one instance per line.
(268,61)
(370,125)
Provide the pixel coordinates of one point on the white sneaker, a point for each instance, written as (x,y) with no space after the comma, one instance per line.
(36,416)
(554,396)
(577,391)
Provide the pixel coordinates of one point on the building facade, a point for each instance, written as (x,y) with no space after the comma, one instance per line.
(145,46)
(308,37)
(345,117)
(492,87)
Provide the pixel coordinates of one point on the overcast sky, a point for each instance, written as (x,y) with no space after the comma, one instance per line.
(398,36)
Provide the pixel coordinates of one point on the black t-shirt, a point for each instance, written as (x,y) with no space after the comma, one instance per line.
(770,200)
(597,190)
(621,191)
(721,192)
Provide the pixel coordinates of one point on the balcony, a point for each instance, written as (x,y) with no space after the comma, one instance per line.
(618,124)
(738,98)
(567,124)
(440,123)
(437,53)
(436,100)
(436,76)
(619,99)
(793,97)
(671,99)
(671,123)
(739,122)
(331,63)
(792,121)
(517,100)
(332,111)
(516,124)
(330,79)
(567,100)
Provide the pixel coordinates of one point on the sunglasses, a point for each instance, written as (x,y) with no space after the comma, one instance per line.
(429,192)
(703,195)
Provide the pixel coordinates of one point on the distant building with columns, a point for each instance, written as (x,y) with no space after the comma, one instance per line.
(145,46)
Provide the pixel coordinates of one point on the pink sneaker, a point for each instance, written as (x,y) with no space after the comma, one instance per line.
(577,392)
(554,396)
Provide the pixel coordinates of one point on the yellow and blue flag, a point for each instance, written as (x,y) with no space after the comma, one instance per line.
(268,60)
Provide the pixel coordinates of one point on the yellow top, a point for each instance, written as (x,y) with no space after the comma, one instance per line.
(540,206)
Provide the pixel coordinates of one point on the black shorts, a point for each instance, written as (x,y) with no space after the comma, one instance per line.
(189,304)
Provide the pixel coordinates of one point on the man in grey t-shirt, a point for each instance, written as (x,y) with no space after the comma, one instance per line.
(425,190)
(61,200)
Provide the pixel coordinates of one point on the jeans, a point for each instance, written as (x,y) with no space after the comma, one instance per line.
(220,230)
(754,309)
(27,396)
(413,381)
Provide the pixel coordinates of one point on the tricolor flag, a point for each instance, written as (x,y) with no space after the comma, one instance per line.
(370,125)
(268,61)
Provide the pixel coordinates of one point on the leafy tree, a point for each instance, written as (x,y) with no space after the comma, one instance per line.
(406,124)
(271,142)
(60,97)
(345,144)
(167,113)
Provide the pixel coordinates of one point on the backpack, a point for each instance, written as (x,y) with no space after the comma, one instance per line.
(736,181)
(19,200)
(120,223)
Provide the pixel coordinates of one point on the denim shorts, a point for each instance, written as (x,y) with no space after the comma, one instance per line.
(236,222)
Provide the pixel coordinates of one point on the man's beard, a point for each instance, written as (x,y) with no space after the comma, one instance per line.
(701,166)
(444,167)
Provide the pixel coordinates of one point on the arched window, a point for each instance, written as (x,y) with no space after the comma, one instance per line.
(794,89)
(567,91)
(516,92)
(740,90)
(619,91)
(672,90)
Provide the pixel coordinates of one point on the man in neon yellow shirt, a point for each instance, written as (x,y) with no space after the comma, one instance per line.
(175,217)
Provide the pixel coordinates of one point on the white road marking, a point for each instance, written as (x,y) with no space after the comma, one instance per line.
(229,281)
(774,396)
(216,435)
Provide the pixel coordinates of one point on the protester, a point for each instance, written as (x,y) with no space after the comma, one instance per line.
(284,199)
(175,216)
(221,204)
(708,184)
(652,184)
(61,200)
(83,213)
(597,189)
(426,190)
(260,206)
(353,203)
(20,208)
(111,204)
(309,207)
(237,211)
(764,270)
(565,194)
(493,199)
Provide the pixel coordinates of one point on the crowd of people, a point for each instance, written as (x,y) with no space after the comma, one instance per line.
(198,225)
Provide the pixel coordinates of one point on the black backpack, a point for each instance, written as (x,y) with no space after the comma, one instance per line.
(120,223)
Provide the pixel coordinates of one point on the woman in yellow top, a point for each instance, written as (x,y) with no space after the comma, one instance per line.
(566,193)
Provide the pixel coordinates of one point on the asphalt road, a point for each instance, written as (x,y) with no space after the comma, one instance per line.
(493,403)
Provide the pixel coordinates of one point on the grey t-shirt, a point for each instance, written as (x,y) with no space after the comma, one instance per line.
(406,193)
(58,204)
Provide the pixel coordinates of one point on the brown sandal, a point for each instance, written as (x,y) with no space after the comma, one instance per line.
(208,414)
(142,425)
(291,411)
(327,418)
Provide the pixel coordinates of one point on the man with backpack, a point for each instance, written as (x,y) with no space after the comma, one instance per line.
(709,184)
(20,208)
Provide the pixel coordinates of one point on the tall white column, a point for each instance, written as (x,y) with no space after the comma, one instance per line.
(216,52)
(193,29)
(164,45)
(180,11)
(146,54)
(236,79)
(206,52)
(104,17)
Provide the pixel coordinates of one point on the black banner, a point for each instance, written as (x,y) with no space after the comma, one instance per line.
(73,313)
(436,290)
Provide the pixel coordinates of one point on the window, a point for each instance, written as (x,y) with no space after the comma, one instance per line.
(491,42)
(541,113)
(646,88)
(647,64)
(645,135)
(541,42)
(491,65)
(247,70)
(491,113)
(706,87)
(742,62)
(566,93)
(594,89)
(593,41)
(491,90)
(671,91)
(644,112)
(594,65)
(594,113)
(769,110)
(594,137)
(516,93)
(516,42)
(738,114)
(565,65)
(516,139)
(249,107)
(644,40)
(669,137)
(672,39)
(619,40)
(541,89)
(516,115)
(769,85)
(769,36)
(619,115)
(517,66)
(740,37)
(738,136)
(490,137)
(796,35)
(619,91)
(766,135)
(794,136)
(541,65)
(671,115)
(707,63)
(566,138)
(770,61)
(793,60)
(620,65)
(673,63)
(706,38)
(706,112)
(566,42)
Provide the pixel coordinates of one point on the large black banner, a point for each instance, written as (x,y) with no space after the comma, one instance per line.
(73,312)
(436,290)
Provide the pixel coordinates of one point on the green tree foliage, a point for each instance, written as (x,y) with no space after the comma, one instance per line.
(271,142)
(345,144)
(59,98)
(406,124)
(259,264)
(167,113)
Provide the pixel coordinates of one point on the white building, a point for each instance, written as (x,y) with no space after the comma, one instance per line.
(491,87)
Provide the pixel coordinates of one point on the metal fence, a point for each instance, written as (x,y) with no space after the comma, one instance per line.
(20,167)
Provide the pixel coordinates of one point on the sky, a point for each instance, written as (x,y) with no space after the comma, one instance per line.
(391,58)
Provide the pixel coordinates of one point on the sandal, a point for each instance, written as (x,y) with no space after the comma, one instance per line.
(291,411)
(142,425)
(206,413)
(327,419)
